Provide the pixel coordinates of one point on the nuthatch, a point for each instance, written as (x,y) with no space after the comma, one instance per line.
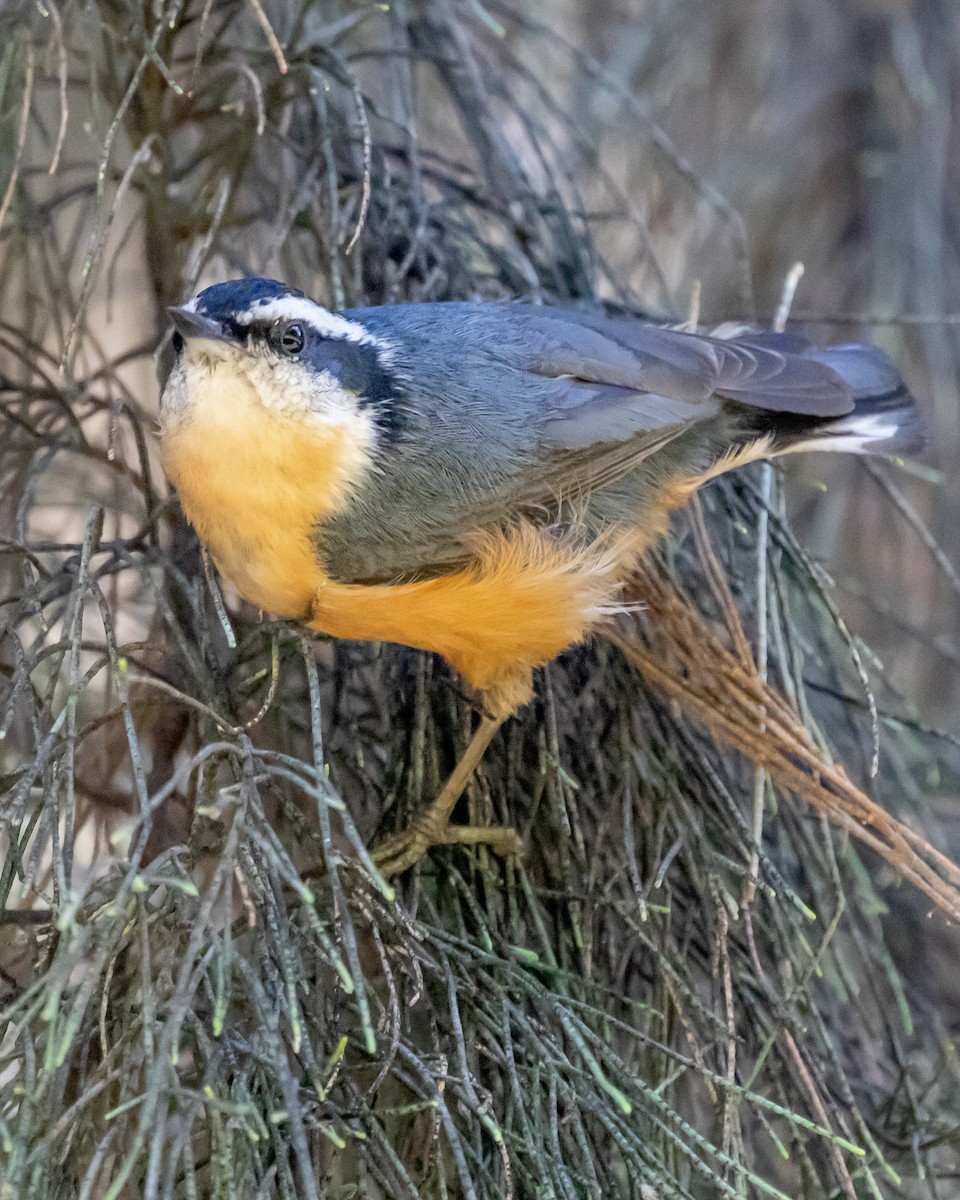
(476,479)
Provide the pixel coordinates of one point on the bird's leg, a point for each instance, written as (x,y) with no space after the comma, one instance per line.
(433,828)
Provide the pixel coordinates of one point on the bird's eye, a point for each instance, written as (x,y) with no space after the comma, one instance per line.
(289,339)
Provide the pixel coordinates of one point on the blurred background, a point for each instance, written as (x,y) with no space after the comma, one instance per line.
(829,130)
(745,137)
(211,997)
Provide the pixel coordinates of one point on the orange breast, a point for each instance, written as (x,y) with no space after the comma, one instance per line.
(525,597)
(253,482)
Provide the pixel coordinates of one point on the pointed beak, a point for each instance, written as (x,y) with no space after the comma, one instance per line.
(192,325)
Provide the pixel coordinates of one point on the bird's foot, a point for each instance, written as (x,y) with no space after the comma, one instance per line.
(406,849)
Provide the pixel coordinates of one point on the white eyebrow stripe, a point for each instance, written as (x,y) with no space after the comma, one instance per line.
(299,308)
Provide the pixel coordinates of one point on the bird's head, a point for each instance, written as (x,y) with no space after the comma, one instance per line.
(274,414)
(267,343)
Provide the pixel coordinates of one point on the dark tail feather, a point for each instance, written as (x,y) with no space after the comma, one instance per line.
(886,418)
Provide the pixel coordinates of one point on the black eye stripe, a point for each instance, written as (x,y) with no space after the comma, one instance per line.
(236,330)
(356,366)
(360,370)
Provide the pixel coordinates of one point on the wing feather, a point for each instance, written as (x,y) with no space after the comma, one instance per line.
(776,372)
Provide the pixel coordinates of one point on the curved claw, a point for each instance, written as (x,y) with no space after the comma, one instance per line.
(400,853)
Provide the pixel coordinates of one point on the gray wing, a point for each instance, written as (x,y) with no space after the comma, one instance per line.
(622,389)
(519,407)
(655,374)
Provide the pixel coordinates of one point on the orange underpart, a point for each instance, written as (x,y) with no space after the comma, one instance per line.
(253,482)
(525,597)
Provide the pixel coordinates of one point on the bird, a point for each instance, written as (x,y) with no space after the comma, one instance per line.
(477,478)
